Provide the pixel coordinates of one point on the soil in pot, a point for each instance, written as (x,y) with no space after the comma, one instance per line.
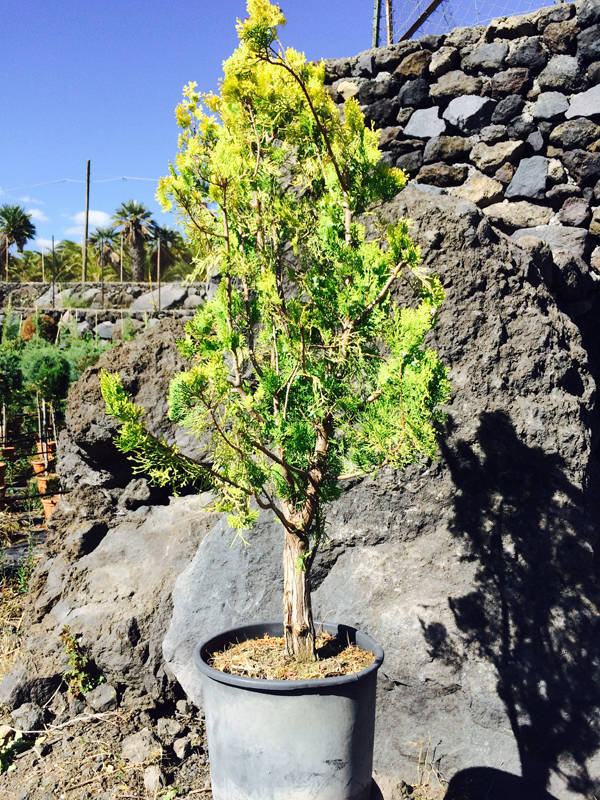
(267,658)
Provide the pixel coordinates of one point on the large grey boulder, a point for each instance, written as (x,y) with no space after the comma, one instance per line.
(585,104)
(469,112)
(171,296)
(530,179)
(476,573)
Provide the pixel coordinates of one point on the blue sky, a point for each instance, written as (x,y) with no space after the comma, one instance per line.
(100,79)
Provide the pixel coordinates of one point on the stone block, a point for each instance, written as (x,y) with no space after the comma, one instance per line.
(469,113)
(479,189)
(414,93)
(171,296)
(410,162)
(510,28)
(441,174)
(589,12)
(559,193)
(588,44)
(595,223)
(455,84)
(365,65)
(512,81)
(382,112)
(536,141)
(561,37)
(415,65)
(104,330)
(505,173)
(528,53)
(585,104)
(492,134)
(347,89)
(514,216)
(447,148)
(593,73)
(575,212)
(574,133)
(387,135)
(139,747)
(102,698)
(488,56)
(154,780)
(583,167)
(443,60)
(388,58)
(560,238)
(425,123)
(383,86)
(549,105)
(507,109)
(489,157)
(562,73)
(530,179)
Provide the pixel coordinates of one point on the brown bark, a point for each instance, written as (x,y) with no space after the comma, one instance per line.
(298,623)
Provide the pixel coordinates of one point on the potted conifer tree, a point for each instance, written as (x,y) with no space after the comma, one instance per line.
(305,371)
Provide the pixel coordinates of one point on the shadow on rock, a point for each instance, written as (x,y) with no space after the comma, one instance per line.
(534,611)
(493,784)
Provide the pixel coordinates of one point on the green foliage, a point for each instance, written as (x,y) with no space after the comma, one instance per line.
(304,370)
(82,676)
(11,376)
(25,569)
(12,743)
(16,226)
(46,371)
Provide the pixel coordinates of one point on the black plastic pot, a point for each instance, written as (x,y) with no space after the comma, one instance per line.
(289,740)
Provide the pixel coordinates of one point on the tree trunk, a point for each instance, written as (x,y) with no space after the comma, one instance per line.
(138,259)
(298,623)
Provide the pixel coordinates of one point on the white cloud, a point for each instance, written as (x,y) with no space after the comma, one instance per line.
(38,215)
(97,219)
(76,230)
(45,245)
(28,199)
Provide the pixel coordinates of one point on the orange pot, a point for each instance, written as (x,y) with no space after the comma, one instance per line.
(45,480)
(9,453)
(38,466)
(49,504)
(40,447)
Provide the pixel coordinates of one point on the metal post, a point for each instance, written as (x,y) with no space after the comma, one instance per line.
(376,15)
(158,272)
(6,242)
(416,25)
(43,277)
(389,17)
(53,272)
(85,231)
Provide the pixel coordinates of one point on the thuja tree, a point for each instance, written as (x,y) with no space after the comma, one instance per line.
(304,371)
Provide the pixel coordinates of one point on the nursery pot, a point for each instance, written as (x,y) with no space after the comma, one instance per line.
(8,452)
(2,471)
(49,504)
(50,447)
(289,739)
(40,466)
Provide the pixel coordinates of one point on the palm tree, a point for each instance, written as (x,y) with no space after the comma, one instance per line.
(103,242)
(134,221)
(16,226)
(175,255)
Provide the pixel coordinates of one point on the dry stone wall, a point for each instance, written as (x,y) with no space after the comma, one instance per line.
(506,116)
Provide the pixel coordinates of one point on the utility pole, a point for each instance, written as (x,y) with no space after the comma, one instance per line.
(376,15)
(85,232)
(6,245)
(389,17)
(102,271)
(53,272)
(121,270)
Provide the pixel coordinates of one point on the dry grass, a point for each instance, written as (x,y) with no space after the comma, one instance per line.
(11,617)
(430,784)
(266,658)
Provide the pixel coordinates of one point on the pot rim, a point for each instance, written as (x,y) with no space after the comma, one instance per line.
(275,628)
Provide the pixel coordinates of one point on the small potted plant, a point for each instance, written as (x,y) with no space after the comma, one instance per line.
(305,372)
(11,384)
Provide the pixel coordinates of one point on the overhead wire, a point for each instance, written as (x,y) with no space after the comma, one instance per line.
(74,180)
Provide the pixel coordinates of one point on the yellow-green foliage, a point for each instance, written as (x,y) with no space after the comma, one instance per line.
(302,340)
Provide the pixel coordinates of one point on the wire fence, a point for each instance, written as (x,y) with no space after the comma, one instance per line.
(395,20)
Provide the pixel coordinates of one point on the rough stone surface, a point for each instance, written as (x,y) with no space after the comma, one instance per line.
(561,73)
(454,84)
(528,53)
(414,93)
(414,65)
(443,60)
(575,133)
(583,167)
(139,747)
(469,112)
(510,28)
(530,179)
(104,330)
(154,780)
(559,193)
(487,56)
(479,189)
(171,296)
(437,562)
(490,157)
(410,162)
(425,123)
(561,37)
(102,698)
(512,216)
(575,212)
(595,223)
(549,105)
(512,81)
(492,134)
(347,89)
(588,44)
(589,12)
(585,104)
(442,174)
(146,364)
(560,239)
(447,148)
(28,717)
(508,109)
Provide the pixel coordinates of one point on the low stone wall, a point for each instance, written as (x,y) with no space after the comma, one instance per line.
(135,296)
(506,116)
